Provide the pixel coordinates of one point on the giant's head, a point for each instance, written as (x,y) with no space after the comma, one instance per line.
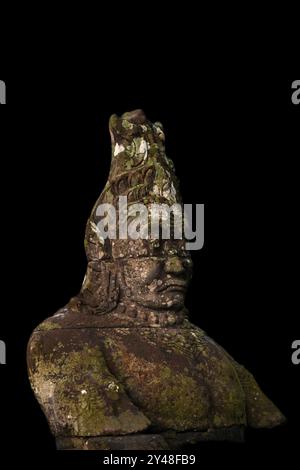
(149,266)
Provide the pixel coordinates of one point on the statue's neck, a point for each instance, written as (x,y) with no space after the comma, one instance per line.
(144,316)
(133,314)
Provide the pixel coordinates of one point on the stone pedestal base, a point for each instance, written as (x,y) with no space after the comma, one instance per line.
(163,441)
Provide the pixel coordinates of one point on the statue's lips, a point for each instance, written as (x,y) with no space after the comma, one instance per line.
(173,286)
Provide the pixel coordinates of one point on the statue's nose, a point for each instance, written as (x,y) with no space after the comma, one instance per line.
(136,117)
(174,265)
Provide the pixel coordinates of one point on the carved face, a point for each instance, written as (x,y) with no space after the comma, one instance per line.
(158,282)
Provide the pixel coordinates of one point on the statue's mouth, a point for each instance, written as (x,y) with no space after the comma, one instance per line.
(173,286)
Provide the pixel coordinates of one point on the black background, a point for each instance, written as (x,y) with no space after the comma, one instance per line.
(235,145)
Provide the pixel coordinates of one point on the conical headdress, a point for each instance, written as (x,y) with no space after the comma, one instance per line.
(140,170)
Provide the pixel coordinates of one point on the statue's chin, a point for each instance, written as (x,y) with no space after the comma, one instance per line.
(169,303)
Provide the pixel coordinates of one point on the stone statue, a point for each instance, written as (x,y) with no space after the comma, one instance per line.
(121,366)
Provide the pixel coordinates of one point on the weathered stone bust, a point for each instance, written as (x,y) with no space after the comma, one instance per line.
(121,366)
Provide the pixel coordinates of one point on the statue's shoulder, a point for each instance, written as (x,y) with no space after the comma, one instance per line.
(79,394)
(56,321)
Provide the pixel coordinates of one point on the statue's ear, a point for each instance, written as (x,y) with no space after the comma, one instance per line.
(100,288)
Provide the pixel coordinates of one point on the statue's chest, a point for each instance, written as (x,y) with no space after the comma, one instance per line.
(159,372)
